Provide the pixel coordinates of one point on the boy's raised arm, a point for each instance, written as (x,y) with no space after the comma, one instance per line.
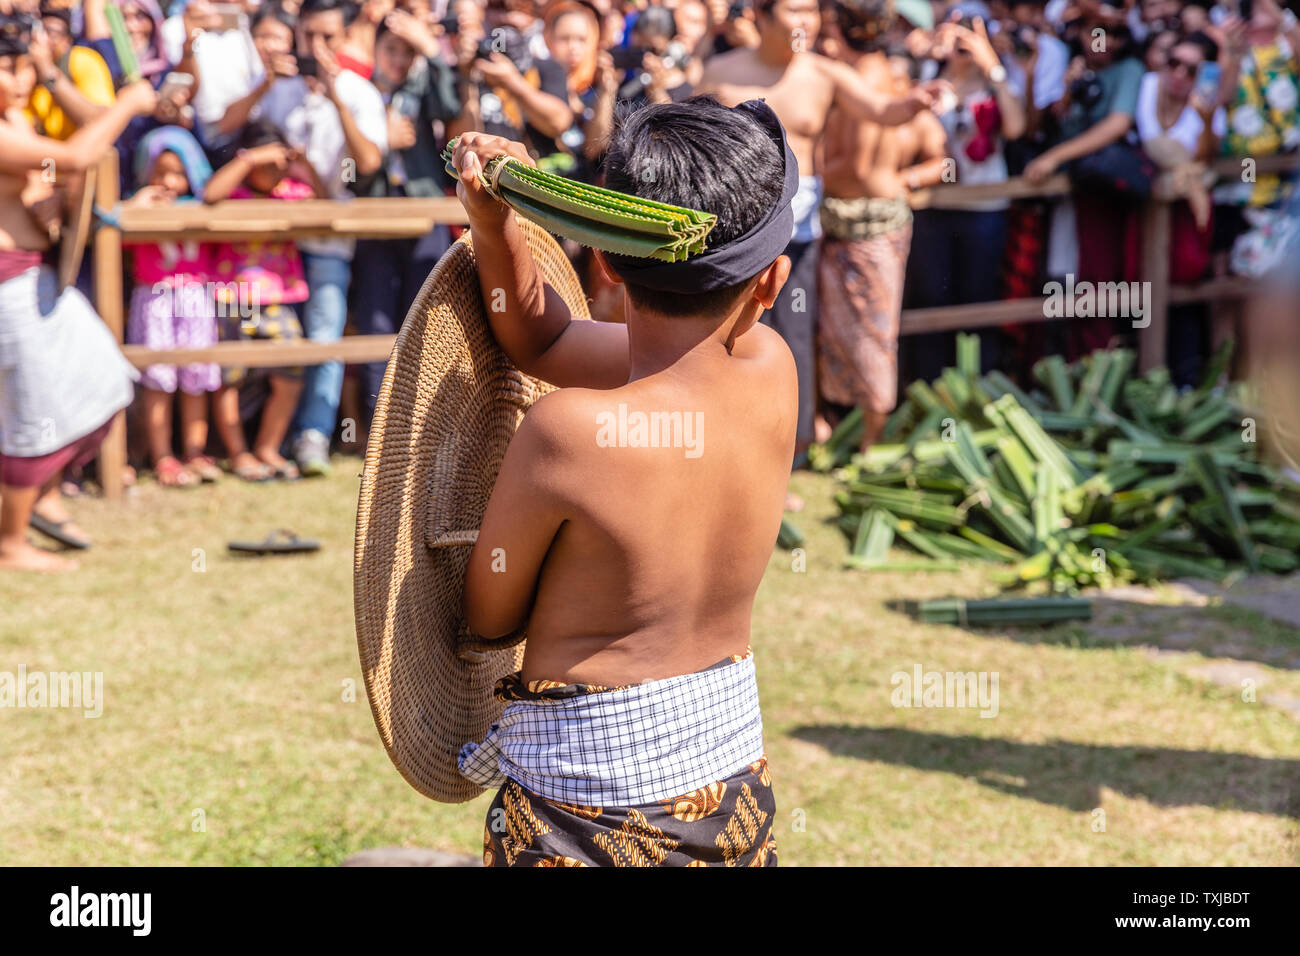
(528,317)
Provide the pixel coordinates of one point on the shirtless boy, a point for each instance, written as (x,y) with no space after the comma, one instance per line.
(869,171)
(802,86)
(635,567)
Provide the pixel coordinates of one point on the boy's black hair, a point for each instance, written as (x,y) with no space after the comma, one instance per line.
(701,155)
(259,133)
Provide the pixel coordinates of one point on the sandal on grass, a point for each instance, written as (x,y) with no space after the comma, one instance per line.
(204,466)
(281,541)
(55,530)
(172,474)
(254,473)
(286,472)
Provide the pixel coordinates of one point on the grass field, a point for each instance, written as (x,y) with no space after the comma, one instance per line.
(228,735)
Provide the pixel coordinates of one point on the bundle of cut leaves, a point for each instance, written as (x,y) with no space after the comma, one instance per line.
(592,215)
(1094,477)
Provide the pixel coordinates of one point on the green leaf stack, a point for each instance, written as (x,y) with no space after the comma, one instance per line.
(1095,477)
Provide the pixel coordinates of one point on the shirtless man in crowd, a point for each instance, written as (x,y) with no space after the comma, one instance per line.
(801,87)
(869,171)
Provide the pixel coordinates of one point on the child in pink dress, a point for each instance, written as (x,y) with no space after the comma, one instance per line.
(172,308)
(257,285)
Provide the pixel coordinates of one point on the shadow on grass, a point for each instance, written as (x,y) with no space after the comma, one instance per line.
(1071,775)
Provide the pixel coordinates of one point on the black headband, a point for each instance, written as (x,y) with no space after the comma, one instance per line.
(732,262)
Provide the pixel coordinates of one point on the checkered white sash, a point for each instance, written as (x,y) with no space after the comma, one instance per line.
(637,745)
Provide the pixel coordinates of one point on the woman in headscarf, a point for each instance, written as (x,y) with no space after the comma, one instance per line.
(144,20)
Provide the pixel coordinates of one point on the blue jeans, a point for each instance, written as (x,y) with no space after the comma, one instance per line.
(323,317)
(389,274)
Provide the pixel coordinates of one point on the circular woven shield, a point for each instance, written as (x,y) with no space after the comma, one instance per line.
(449,404)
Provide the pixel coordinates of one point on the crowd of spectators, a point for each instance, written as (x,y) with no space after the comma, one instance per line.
(297,99)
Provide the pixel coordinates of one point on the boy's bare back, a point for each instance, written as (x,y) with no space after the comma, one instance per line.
(637,506)
(655,567)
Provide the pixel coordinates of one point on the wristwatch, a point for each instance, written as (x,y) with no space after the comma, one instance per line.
(998,74)
(51,81)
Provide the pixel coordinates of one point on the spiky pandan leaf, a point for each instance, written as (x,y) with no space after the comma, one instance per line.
(600,218)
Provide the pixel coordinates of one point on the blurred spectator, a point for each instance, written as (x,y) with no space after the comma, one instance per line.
(64,376)
(171,307)
(732,25)
(1035,59)
(218,45)
(1179,124)
(1099,151)
(573,39)
(338,121)
(692,19)
(259,285)
(357,52)
(510,92)
(1155,51)
(420,92)
(869,171)
(801,86)
(272,33)
(655,61)
(1261,82)
(73,82)
(958,252)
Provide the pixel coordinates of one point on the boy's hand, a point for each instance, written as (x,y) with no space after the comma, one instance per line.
(473,152)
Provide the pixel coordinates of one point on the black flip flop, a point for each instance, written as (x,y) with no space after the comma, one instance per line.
(277,542)
(54,529)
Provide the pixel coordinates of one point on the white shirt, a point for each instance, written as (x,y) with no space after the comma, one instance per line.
(228,64)
(1186,129)
(310,122)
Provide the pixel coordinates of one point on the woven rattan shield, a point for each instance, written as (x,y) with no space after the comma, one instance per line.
(449,404)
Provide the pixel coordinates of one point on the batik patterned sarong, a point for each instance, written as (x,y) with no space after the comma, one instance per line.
(860,296)
(727,822)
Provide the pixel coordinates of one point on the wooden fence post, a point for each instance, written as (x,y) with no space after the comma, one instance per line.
(1156,225)
(108,300)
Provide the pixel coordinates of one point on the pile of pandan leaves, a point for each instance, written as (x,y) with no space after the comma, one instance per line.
(1094,477)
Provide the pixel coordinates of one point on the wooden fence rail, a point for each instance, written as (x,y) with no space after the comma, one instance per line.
(411,218)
